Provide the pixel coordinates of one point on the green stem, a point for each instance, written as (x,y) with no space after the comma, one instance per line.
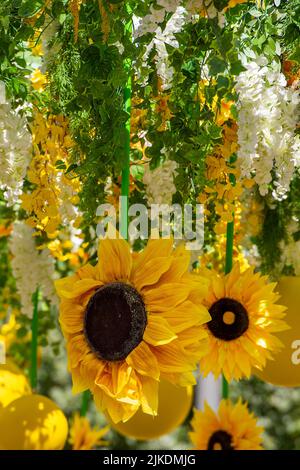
(229,247)
(228,268)
(34,341)
(225,388)
(126,168)
(85,403)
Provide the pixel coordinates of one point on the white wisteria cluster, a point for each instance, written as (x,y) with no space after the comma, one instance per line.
(163,36)
(159,183)
(15,149)
(31,268)
(205,8)
(50,50)
(178,13)
(68,211)
(268,116)
(290,249)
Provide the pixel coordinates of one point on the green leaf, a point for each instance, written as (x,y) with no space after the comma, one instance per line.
(60,164)
(236,67)
(222,82)
(30,8)
(295,55)
(216,65)
(220,4)
(214,131)
(72,167)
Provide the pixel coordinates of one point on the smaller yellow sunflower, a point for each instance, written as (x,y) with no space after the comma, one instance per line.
(233,428)
(244,318)
(85,437)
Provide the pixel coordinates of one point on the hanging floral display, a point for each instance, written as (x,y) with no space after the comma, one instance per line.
(15,148)
(41,273)
(130,117)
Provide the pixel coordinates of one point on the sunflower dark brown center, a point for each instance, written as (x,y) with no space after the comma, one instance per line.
(229,319)
(220,440)
(115,321)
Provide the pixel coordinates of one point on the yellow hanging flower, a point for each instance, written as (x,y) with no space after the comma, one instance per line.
(38,80)
(244,318)
(233,428)
(5,230)
(233,3)
(74,6)
(51,203)
(131,320)
(85,437)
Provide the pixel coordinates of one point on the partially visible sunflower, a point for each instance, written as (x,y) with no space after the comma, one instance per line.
(233,428)
(131,320)
(85,437)
(244,316)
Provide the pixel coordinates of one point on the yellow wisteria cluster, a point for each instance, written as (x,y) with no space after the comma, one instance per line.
(213,257)
(52,201)
(104,8)
(219,173)
(232,428)
(224,187)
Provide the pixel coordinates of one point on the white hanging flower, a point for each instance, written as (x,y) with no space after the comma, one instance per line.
(15,149)
(267,121)
(68,211)
(31,268)
(159,183)
(290,249)
(49,50)
(162,37)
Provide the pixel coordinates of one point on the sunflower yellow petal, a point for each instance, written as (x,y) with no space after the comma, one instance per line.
(150,272)
(158,331)
(144,361)
(149,395)
(115,260)
(79,288)
(166,297)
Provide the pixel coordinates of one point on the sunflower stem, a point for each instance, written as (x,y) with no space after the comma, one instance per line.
(34,342)
(126,168)
(225,388)
(229,247)
(85,403)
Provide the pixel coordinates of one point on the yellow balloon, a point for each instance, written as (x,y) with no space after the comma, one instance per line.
(285,369)
(32,422)
(13,383)
(173,407)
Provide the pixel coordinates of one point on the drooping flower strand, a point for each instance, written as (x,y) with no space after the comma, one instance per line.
(52,201)
(15,149)
(268,116)
(159,183)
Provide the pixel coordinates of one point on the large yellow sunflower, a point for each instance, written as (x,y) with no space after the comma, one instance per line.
(130,320)
(233,428)
(244,316)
